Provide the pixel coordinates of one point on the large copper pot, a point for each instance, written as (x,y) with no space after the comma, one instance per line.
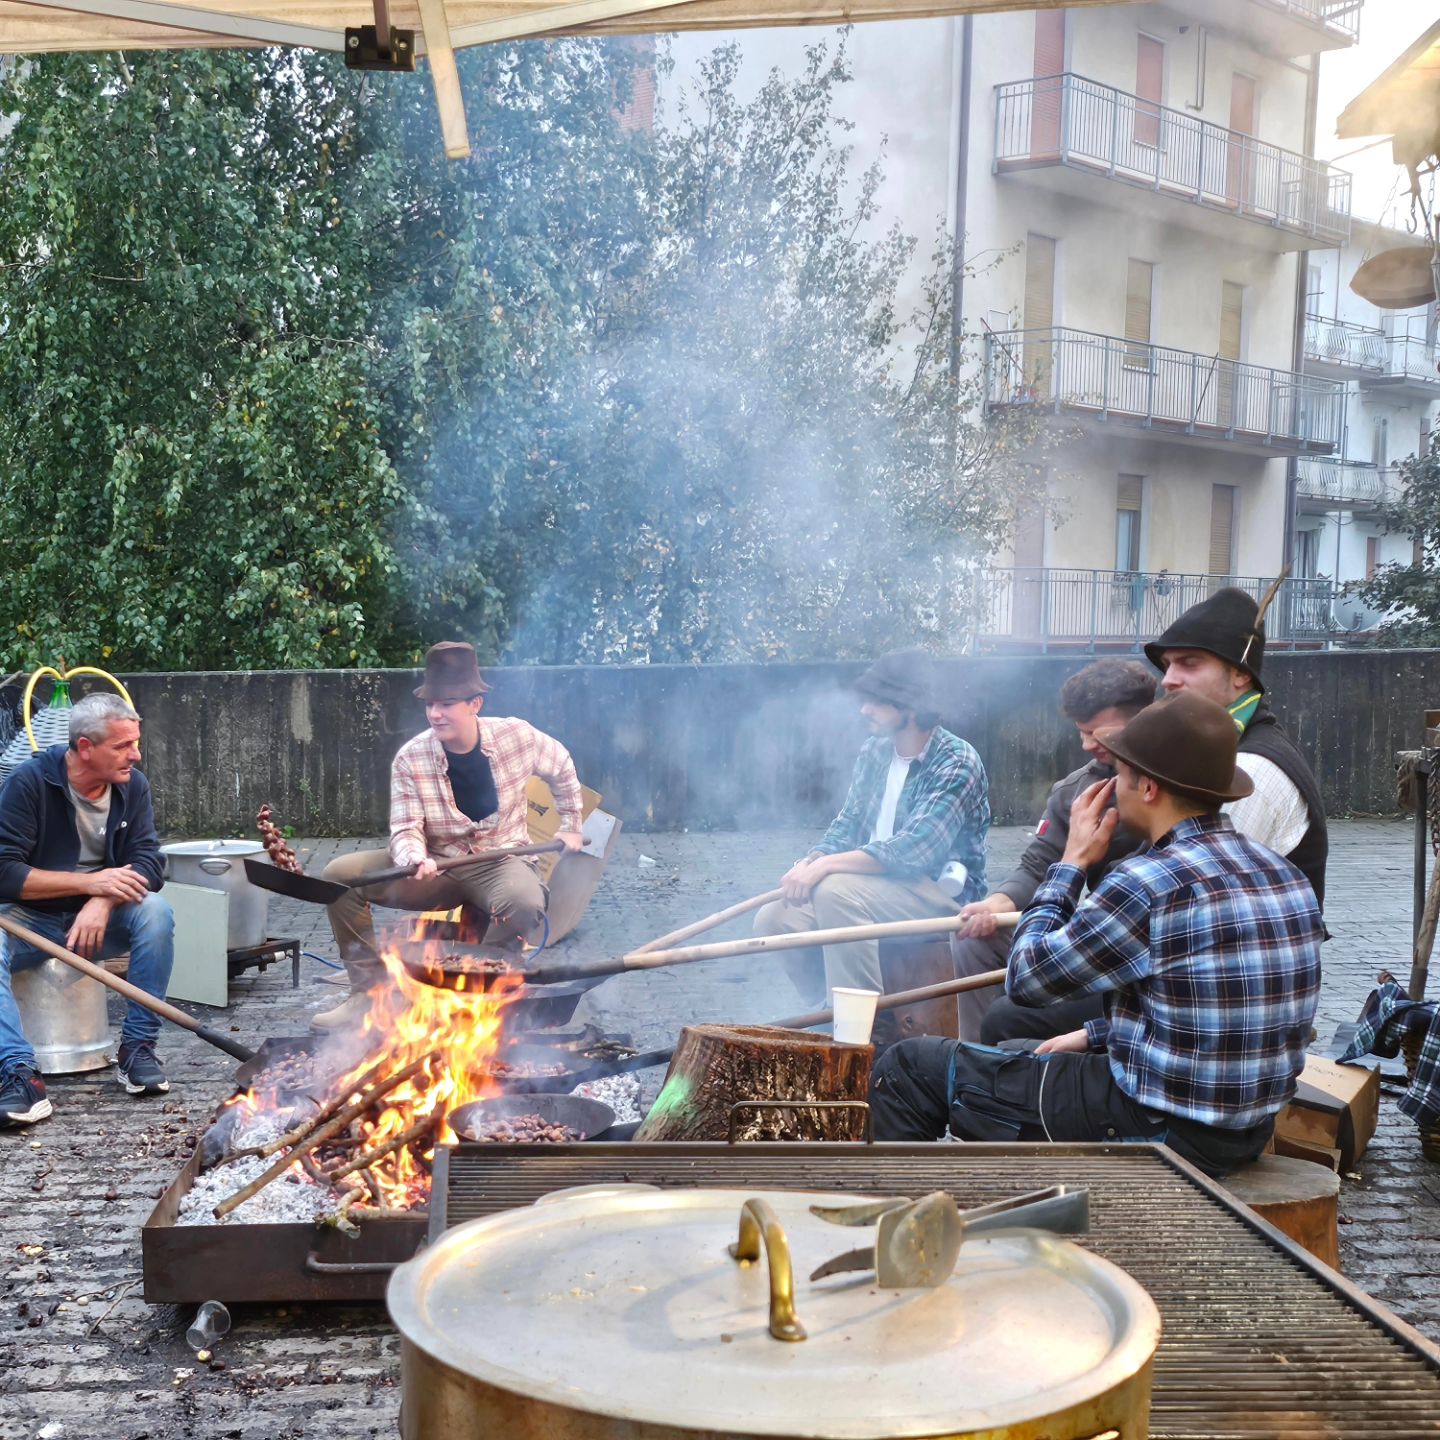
(619,1314)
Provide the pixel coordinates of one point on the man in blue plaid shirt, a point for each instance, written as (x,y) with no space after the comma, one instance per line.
(916,814)
(1206,949)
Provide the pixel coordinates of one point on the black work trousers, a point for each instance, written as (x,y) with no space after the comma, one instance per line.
(922,1086)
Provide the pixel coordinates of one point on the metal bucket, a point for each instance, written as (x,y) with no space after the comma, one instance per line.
(63,1015)
(215,865)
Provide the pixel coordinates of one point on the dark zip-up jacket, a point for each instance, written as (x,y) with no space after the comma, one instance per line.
(38,831)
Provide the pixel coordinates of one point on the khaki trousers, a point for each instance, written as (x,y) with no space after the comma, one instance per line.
(847,900)
(507,890)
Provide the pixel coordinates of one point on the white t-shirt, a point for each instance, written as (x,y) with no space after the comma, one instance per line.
(1274,815)
(890,800)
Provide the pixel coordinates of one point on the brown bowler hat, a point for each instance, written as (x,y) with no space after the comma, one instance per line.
(1188,744)
(451,672)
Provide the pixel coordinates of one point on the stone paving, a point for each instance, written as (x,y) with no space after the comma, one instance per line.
(82,1355)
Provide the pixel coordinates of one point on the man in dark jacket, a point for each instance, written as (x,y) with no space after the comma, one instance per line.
(1104,694)
(80,864)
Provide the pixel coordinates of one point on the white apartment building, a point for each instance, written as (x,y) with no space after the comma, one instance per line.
(1148,166)
(1388,361)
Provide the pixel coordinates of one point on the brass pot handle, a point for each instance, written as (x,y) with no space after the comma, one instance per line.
(757,1221)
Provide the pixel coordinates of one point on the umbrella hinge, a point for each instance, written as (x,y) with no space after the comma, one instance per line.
(362,49)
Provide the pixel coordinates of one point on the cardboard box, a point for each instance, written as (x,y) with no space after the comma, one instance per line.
(571,879)
(1335,1108)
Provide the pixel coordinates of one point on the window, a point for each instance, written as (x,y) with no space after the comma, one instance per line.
(1129,500)
(1372,555)
(1039,310)
(1314,289)
(1307,554)
(1049,86)
(1149,89)
(1222,529)
(1139,292)
(1380,443)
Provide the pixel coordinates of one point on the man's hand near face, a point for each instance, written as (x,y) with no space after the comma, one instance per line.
(1092,825)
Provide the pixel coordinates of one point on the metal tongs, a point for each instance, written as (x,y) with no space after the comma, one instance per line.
(918,1241)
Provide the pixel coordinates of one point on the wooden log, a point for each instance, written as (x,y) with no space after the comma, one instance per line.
(1297,1197)
(717,1066)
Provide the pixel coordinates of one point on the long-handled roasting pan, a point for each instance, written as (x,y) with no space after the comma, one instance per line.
(316,891)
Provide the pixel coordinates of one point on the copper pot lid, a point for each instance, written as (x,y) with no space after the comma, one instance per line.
(625,1301)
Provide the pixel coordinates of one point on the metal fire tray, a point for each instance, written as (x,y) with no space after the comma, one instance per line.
(187,1264)
(1260,1342)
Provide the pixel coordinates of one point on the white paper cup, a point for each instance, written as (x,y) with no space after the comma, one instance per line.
(854,1014)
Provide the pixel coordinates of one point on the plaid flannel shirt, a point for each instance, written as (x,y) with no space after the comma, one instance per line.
(1389,1014)
(1207,950)
(943,814)
(423,816)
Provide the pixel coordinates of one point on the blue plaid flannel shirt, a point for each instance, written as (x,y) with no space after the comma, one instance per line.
(1207,950)
(943,814)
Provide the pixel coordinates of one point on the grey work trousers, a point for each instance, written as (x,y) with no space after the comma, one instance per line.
(848,900)
(507,890)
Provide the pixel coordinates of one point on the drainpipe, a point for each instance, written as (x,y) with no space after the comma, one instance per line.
(1292,466)
(962,182)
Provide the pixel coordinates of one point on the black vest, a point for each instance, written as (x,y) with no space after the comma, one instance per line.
(1265,737)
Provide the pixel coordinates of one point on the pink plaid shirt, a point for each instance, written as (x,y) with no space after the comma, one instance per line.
(423,817)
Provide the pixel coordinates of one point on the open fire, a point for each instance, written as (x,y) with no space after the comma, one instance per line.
(363,1117)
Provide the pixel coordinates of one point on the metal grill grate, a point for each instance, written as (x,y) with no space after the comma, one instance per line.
(1259,1344)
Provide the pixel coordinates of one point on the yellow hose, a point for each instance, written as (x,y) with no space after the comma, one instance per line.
(68,675)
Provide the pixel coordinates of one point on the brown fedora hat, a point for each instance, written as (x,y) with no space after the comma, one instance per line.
(451,672)
(1188,744)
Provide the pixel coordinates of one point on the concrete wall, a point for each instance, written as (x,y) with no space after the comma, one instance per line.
(717,747)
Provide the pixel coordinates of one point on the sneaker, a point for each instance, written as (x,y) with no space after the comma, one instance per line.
(348,1014)
(138,1069)
(22,1097)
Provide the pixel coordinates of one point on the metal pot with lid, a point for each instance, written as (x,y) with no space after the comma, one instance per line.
(216,865)
(620,1313)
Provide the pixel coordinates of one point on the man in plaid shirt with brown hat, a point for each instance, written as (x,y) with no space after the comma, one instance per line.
(457,788)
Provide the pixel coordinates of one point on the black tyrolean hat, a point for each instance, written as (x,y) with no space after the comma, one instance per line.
(1226,624)
(451,673)
(1188,744)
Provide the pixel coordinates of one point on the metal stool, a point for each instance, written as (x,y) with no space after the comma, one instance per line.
(63,1015)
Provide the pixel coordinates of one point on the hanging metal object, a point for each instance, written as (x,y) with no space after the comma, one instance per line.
(1398,279)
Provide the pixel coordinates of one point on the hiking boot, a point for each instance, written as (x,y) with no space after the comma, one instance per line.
(22,1097)
(348,1015)
(138,1069)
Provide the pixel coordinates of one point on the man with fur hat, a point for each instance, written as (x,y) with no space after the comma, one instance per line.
(1217,649)
(457,788)
(918,805)
(1205,948)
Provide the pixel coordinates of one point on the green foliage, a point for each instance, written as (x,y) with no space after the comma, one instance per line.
(280,386)
(1409,595)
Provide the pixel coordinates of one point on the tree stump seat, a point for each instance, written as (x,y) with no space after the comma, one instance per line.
(1298,1197)
(908,964)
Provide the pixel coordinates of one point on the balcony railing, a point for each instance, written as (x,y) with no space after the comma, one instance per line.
(1068,120)
(1173,391)
(1341,16)
(1412,357)
(1342,343)
(1071,609)
(1344,482)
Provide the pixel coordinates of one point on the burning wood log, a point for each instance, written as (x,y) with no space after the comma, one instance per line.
(716,1067)
(324,1113)
(418,1131)
(318,1136)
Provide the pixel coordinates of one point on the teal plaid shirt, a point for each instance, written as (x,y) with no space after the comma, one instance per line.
(943,814)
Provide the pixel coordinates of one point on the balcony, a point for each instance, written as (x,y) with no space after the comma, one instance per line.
(1411,364)
(1341,348)
(1288,28)
(1064,130)
(1052,609)
(1187,397)
(1323,485)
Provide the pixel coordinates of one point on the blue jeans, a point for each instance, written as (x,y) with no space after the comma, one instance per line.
(146,929)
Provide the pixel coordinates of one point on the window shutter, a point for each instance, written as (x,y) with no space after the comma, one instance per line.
(1139,282)
(1039,307)
(1372,556)
(1129,492)
(1049,42)
(1149,89)
(1222,528)
(1232,316)
(1049,62)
